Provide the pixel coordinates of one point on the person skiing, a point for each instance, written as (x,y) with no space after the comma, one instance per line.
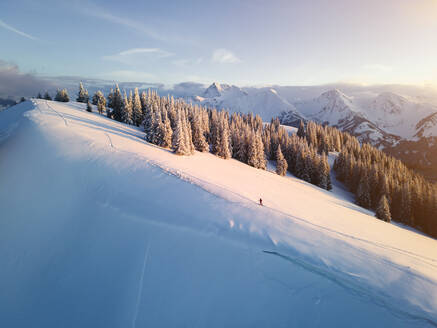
(261,201)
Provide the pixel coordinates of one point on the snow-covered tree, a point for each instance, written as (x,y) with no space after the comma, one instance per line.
(62,96)
(82,95)
(383,209)
(179,139)
(363,192)
(301,130)
(117,105)
(281,163)
(199,139)
(97,96)
(101,104)
(137,114)
(126,110)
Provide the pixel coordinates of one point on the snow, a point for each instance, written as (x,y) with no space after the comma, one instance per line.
(101,229)
(396,114)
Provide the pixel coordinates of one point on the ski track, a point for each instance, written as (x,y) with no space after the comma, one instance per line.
(353,287)
(62,116)
(140,285)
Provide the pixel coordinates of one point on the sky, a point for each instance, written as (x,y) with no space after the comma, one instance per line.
(244,42)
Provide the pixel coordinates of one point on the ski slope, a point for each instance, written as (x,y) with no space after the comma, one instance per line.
(101,229)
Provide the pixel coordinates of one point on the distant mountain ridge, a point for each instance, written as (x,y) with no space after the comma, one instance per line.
(390,121)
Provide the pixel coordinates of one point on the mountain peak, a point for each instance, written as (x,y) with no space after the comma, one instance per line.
(215,90)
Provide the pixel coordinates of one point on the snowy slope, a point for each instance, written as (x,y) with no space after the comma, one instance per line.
(101,229)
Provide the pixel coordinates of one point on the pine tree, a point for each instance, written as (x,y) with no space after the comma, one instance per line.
(82,95)
(363,192)
(137,114)
(101,104)
(199,140)
(39,96)
(111,99)
(383,209)
(126,112)
(281,163)
(47,96)
(98,96)
(62,96)
(301,130)
(117,105)
(179,138)
(167,132)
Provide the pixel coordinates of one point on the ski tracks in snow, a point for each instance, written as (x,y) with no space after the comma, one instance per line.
(140,285)
(60,115)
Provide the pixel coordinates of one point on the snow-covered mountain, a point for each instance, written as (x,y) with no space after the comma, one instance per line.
(386,116)
(265,102)
(381,116)
(101,229)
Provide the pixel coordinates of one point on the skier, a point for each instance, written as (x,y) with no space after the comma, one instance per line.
(261,201)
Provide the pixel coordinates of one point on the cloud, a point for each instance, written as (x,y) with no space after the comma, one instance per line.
(10,28)
(135,54)
(15,84)
(93,10)
(224,56)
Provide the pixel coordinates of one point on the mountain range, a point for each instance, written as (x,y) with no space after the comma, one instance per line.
(402,124)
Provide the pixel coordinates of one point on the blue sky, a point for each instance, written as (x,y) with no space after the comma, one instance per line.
(249,42)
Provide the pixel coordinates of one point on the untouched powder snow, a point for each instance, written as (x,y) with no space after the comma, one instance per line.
(101,229)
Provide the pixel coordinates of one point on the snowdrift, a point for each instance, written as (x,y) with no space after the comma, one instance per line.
(101,229)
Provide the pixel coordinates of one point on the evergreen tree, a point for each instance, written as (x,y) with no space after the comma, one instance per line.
(47,96)
(301,130)
(281,163)
(111,99)
(39,96)
(383,209)
(82,95)
(62,96)
(363,192)
(179,139)
(199,140)
(137,113)
(167,132)
(98,96)
(101,104)
(117,105)
(126,110)
(89,108)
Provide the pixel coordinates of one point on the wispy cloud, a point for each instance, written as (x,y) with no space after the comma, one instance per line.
(90,9)
(13,29)
(224,56)
(133,55)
